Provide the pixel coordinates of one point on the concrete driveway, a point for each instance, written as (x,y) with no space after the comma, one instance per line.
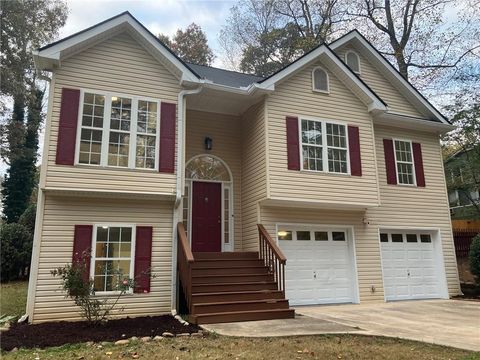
(445,322)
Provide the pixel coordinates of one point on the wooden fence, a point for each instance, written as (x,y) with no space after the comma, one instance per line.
(462,239)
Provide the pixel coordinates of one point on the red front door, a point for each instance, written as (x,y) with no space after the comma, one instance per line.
(207,217)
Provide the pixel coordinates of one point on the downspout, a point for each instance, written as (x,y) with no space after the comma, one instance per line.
(179,188)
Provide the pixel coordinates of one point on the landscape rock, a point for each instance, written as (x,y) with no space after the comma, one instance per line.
(121,342)
(105,343)
(134,338)
(197,334)
(146,338)
(158,338)
(183,335)
(168,334)
(15,349)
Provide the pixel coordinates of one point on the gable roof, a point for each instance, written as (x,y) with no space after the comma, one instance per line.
(345,74)
(406,88)
(49,56)
(225,77)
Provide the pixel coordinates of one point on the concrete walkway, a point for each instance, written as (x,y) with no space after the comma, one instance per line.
(445,322)
(301,325)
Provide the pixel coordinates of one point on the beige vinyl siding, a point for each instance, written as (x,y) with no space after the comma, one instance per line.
(396,102)
(294,97)
(117,65)
(225,131)
(409,206)
(60,216)
(368,260)
(254,172)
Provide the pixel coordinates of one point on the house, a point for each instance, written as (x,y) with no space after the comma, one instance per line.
(463,192)
(321,184)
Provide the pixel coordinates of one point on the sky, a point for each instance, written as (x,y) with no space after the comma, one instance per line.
(159,16)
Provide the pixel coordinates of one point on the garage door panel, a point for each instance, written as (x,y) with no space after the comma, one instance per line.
(409,270)
(326,264)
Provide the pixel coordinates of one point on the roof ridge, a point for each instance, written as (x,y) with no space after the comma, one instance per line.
(232,71)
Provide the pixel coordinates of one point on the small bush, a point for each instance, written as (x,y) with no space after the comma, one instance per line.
(474,258)
(16,251)
(80,288)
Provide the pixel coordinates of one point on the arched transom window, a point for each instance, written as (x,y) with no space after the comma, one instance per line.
(320,80)
(353,61)
(205,167)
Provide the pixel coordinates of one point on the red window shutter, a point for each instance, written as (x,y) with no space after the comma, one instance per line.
(390,161)
(167,138)
(67,127)
(143,258)
(82,246)
(293,146)
(354,150)
(418,162)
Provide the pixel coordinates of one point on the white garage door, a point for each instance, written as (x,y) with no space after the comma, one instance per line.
(409,266)
(319,265)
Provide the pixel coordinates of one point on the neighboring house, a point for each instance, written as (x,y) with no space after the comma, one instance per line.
(463,194)
(147,158)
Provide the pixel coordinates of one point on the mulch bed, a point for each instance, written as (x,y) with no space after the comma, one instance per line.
(65,332)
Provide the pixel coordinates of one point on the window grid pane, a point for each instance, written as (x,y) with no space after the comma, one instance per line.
(403,154)
(226,215)
(91,131)
(118,147)
(320,80)
(146,152)
(112,260)
(312,141)
(337,148)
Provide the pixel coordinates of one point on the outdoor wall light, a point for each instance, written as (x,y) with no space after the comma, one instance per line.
(208,143)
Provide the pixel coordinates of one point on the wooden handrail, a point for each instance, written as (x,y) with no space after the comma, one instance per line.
(272,244)
(183,241)
(272,257)
(184,264)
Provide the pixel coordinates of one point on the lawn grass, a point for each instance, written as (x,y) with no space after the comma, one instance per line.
(219,347)
(13,298)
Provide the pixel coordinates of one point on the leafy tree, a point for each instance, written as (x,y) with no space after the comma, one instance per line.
(474,258)
(462,164)
(16,242)
(417,34)
(190,45)
(25,25)
(268,35)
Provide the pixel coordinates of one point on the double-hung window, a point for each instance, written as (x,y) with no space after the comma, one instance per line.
(324,146)
(119,131)
(112,258)
(404,162)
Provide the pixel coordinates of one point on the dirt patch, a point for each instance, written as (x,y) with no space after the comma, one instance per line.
(66,332)
(470,292)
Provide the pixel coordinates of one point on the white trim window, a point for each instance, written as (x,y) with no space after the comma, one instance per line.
(320,80)
(112,256)
(118,131)
(353,61)
(324,146)
(404,162)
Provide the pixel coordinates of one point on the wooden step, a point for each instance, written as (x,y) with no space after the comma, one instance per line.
(242,316)
(246,305)
(225,263)
(225,255)
(234,287)
(236,295)
(233,278)
(230,270)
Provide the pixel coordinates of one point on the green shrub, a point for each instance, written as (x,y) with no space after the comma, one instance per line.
(27,219)
(474,258)
(16,251)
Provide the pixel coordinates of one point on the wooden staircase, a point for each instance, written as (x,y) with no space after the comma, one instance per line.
(233,286)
